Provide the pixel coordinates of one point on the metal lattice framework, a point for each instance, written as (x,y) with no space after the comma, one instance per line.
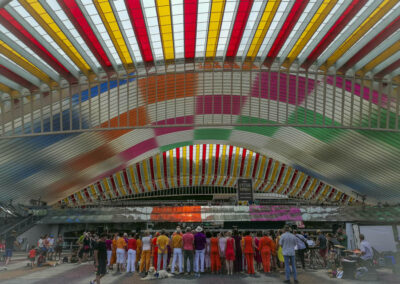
(207,166)
(89,88)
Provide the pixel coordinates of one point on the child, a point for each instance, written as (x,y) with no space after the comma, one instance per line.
(32,256)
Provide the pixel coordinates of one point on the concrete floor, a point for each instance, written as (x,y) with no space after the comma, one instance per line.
(19,273)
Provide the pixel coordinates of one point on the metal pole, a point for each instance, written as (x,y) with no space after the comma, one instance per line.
(118,101)
(352,100)
(259,94)
(371,93)
(315,99)
(80,105)
(127,97)
(334,99)
(41,112)
(278,95)
(70,107)
(343,91)
(32,119)
(324,100)
(297,95)
(361,102)
(90,104)
(306,101)
(108,102)
(287,95)
(269,94)
(397,108)
(379,104)
(389,104)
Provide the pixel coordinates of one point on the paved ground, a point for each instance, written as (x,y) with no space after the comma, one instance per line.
(19,273)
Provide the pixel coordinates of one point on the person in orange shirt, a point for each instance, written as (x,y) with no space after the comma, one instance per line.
(177,245)
(162,243)
(214,254)
(139,249)
(114,251)
(248,246)
(121,246)
(265,249)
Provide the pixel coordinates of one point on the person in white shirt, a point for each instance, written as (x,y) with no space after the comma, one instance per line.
(222,246)
(50,241)
(366,250)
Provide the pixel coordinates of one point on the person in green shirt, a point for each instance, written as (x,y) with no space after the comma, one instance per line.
(342,237)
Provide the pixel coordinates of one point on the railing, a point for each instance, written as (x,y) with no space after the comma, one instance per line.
(21,226)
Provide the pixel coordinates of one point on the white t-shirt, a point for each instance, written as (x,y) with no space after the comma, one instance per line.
(366,247)
(51,241)
(222,245)
(146,241)
(40,243)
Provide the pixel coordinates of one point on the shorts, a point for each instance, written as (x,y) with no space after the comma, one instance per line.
(322,252)
(9,252)
(32,259)
(101,268)
(51,249)
(120,256)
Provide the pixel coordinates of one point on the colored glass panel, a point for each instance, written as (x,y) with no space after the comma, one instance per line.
(164,19)
(340,24)
(287,28)
(238,27)
(139,26)
(43,18)
(106,13)
(74,13)
(217,10)
(190,15)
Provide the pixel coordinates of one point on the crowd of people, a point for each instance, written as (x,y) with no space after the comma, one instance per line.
(194,252)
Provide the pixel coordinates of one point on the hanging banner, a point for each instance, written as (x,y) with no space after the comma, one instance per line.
(245,191)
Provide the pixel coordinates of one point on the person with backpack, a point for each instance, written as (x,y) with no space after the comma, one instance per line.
(302,247)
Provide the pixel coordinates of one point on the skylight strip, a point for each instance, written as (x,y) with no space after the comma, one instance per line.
(386,63)
(377,16)
(276,25)
(37,32)
(10,84)
(94,20)
(178,28)
(328,22)
(77,18)
(302,23)
(50,27)
(312,29)
(377,53)
(153,28)
(250,30)
(18,46)
(293,16)
(106,13)
(349,30)
(384,54)
(214,27)
(137,18)
(15,57)
(165,25)
(121,14)
(18,70)
(263,27)
(190,15)
(347,17)
(65,25)
(230,12)
(241,19)
(203,16)
(395,73)
(375,32)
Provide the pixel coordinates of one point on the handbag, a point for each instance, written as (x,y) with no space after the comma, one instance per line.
(305,243)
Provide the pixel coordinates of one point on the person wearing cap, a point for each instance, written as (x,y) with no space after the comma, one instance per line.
(177,245)
(162,243)
(200,242)
(11,241)
(188,240)
(288,241)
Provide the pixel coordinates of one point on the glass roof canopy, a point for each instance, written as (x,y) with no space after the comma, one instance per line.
(75,38)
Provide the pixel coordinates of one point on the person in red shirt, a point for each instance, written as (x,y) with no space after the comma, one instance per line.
(214,254)
(155,249)
(248,246)
(132,246)
(32,256)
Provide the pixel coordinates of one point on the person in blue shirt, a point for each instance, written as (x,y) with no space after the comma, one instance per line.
(288,241)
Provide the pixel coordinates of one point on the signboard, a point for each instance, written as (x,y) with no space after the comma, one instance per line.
(245,190)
